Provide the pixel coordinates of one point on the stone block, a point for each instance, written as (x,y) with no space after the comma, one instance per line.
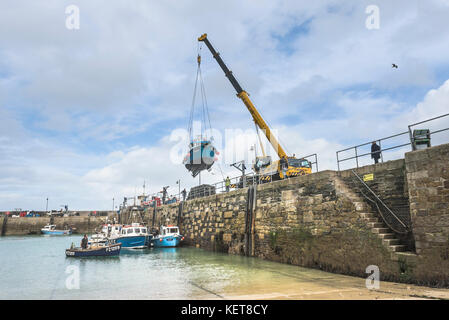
(228,214)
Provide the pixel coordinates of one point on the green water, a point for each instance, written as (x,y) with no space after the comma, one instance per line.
(35,267)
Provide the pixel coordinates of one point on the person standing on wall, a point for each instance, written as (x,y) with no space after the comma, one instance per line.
(184,194)
(227,183)
(375,152)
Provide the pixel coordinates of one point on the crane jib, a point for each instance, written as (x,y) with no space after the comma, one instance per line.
(225,69)
(243,95)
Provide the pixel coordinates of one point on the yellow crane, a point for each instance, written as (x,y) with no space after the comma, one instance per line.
(287,166)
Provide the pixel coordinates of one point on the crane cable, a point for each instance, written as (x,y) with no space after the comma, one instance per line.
(204,110)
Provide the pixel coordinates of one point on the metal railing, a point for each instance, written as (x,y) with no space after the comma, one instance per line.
(315,156)
(379,141)
(410,142)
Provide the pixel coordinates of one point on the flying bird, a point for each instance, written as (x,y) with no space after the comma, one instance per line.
(395,66)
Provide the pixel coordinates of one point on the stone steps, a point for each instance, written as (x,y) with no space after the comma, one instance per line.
(397,248)
(372,220)
(390,242)
(386,236)
(375,225)
(380,230)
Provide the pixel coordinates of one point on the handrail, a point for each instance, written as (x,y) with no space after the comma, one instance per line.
(375,195)
(411,142)
(357,156)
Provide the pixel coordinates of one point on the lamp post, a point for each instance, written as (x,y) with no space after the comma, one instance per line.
(46,207)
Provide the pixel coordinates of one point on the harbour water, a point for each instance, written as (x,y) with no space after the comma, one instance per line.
(35,267)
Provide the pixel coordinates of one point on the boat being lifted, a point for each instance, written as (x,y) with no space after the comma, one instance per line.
(201,156)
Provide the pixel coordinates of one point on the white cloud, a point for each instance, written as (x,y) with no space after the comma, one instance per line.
(85,115)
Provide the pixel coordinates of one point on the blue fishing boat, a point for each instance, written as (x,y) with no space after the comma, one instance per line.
(168,237)
(201,156)
(51,230)
(95,251)
(134,236)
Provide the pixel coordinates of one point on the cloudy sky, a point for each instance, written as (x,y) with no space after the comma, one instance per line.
(88,114)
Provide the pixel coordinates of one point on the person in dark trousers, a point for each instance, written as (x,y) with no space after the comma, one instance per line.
(184,194)
(375,152)
(84,242)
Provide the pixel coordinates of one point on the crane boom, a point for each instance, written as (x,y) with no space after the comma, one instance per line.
(243,95)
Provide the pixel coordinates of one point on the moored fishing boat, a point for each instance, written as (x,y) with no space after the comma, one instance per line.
(95,251)
(51,230)
(169,236)
(134,236)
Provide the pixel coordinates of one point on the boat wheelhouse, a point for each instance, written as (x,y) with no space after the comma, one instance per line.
(134,236)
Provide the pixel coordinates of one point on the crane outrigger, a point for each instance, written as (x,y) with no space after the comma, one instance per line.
(263,165)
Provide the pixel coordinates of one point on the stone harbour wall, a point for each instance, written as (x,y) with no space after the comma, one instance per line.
(299,221)
(428,180)
(33,225)
(308,221)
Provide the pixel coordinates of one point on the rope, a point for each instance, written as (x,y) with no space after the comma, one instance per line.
(204,109)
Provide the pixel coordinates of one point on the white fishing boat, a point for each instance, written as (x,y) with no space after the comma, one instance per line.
(51,230)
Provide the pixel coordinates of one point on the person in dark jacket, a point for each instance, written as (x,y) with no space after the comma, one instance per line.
(84,242)
(375,152)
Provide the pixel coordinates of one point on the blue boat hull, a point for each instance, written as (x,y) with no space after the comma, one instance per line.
(112,250)
(166,242)
(135,242)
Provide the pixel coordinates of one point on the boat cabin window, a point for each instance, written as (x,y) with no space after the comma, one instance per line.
(130,231)
(143,230)
(173,230)
(136,230)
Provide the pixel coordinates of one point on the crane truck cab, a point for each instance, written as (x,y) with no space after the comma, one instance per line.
(296,167)
(272,170)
